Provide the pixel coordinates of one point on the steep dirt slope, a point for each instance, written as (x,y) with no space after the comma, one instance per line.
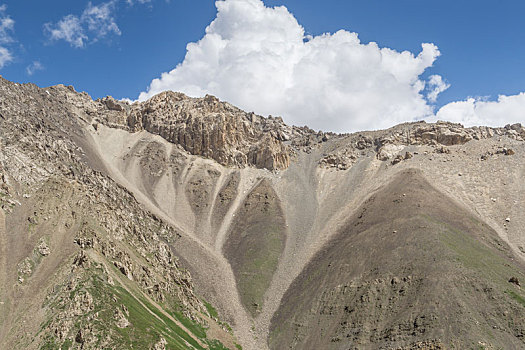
(315,197)
(409,267)
(3,271)
(315,200)
(259,232)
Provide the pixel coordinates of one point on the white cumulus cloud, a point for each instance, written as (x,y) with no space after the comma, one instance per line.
(436,85)
(477,111)
(260,59)
(95,23)
(7,27)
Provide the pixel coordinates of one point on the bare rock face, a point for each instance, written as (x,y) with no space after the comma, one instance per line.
(161,345)
(442,134)
(43,248)
(269,153)
(388,151)
(120,317)
(390,144)
(449,134)
(112,104)
(341,160)
(213,129)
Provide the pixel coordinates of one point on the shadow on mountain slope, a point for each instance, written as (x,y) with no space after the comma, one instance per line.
(255,243)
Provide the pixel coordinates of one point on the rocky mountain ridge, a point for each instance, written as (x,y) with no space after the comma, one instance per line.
(220,131)
(160,224)
(208,128)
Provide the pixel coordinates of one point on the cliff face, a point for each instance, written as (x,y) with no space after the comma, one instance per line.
(209,128)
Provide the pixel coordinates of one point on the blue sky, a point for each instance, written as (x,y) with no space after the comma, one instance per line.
(153,38)
(482,42)
(482,46)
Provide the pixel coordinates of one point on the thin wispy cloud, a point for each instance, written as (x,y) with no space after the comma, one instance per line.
(5,56)
(133,2)
(7,27)
(34,67)
(95,23)
(99,19)
(69,28)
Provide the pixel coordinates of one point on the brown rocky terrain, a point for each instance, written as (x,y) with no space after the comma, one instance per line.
(160,225)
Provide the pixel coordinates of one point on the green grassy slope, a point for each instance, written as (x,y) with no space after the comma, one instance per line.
(95,325)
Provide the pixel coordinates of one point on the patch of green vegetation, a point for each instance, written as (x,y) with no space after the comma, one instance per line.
(475,255)
(147,323)
(214,314)
(216,345)
(173,333)
(516,296)
(211,310)
(485,255)
(238,346)
(255,244)
(228,327)
(147,328)
(193,327)
(66,344)
(259,264)
(49,344)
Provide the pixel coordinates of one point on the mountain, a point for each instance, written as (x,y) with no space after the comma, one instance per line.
(187,223)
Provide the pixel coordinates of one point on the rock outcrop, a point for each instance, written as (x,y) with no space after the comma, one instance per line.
(390,144)
(207,127)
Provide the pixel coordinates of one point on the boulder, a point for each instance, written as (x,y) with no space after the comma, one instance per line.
(389,151)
